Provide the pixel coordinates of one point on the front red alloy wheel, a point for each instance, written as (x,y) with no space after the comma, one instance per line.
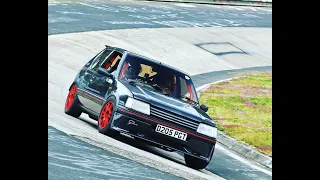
(71,96)
(106,114)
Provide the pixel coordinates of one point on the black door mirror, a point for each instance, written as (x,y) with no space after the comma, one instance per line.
(204,108)
(104,72)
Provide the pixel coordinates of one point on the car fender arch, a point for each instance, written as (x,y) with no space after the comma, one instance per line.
(116,96)
(74,82)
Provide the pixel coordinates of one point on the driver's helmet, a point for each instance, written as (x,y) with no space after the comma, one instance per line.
(132,70)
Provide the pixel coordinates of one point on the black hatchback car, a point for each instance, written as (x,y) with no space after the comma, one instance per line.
(146,99)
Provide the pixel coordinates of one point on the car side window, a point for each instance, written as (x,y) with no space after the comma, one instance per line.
(112,62)
(184,88)
(100,59)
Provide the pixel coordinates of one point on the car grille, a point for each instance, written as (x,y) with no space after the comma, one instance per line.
(174,118)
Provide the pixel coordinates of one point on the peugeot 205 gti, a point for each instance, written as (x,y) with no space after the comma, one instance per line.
(145,99)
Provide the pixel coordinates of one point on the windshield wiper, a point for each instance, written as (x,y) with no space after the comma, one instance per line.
(133,81)
(142,84)
(188,99)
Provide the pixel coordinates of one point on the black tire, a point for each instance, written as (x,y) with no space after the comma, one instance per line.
(72,103)
(106,128)
(194,162)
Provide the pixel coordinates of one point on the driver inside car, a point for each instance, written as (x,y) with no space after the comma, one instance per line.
(132,71)
(165,82)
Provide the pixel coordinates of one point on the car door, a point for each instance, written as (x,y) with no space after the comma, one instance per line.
(89,97)
(99,84)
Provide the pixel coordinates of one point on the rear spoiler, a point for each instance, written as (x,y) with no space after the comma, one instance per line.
(119,49)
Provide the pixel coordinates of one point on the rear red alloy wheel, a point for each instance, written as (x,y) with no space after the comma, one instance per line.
(71,96)
(105,114)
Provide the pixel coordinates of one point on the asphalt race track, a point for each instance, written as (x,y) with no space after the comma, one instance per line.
(70,158)
(83,15)
(68,52)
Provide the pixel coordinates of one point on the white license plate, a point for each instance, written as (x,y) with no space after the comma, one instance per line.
(171,132)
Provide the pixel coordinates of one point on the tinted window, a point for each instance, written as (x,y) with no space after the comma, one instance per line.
(100,58)
(184,88)
(187,89)
(112,62)
(163,79)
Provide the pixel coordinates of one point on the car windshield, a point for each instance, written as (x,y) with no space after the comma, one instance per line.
(159,78)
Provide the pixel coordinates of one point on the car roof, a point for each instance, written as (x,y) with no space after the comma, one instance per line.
(148,59)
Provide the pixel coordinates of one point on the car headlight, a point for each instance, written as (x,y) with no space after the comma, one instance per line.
(207,130)
(138,105)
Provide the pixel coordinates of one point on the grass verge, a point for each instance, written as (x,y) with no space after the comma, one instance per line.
(242,108)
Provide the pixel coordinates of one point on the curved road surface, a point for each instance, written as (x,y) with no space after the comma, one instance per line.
(69,158)
(224,163)
(77,16)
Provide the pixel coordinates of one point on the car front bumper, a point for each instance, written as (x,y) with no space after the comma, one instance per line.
(143,127)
